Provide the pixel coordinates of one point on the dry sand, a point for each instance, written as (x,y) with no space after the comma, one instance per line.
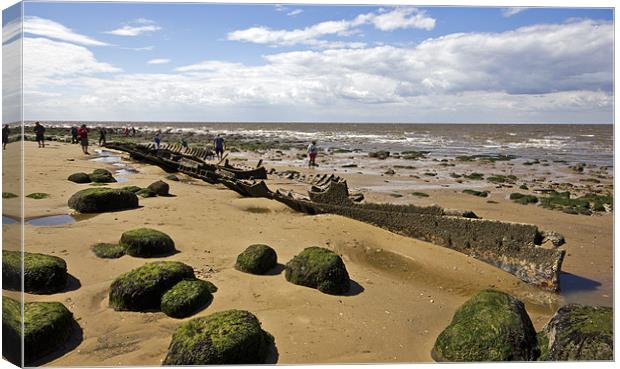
(404,292)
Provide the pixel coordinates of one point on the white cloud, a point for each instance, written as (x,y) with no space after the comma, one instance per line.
(398,18)
(145,48)
(48,28)
(135,28)
(294,12)
(554,72)
(158,61)
(509,12)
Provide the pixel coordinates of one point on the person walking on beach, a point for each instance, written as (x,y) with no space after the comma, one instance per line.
(83,136)
(220,146)
(102,134)
(313,150)
(39,132)
(5,136)
(157,140)
(184,144)
(74,135)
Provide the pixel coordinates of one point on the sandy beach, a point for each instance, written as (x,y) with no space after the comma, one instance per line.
(404,291)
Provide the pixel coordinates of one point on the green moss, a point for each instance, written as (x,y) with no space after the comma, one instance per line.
(172,177)
(145,192)
(490,326)
(42,273)
(498,178)
(476,193)
(108,250)
(226,337)
(99,200)
(257,259)
(474,176)
(8,195)
(523,199)
(102,176)
(582,205)
(414,155)
(79,177)
(455,175)
(146,242)
(186,298)
(319,268)
(133,189)
(47,325)
(578,332)
(419,194)
(396,195)
(486,158)
(38,195)
(142,288)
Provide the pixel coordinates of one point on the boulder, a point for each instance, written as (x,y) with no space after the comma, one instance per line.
(227,337)
(381,155)
(186,298)
(142,288)
(42,273)
(490,326)
(108,250)
(47,326)
(145,192)
(172,177)
(79,177)
(319,268)
(257,259)
(578,332)
(146,242)
(133,189)
(102,176)
(103,199)
(556,239)
(161,188)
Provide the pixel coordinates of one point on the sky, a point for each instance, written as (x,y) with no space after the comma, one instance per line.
(300,63)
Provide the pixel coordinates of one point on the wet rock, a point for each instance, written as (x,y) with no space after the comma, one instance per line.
(187,297)
(491,326)
(257,259)
(381,155)
(47,326)
(578,332)
(142,288)
(79,177)
(102,176)
(319,268)
(108,250)
(390,172)
(145,193)
(226,337)
(99,200)
(146,242)
(172,177)
(161,188)
(42,273)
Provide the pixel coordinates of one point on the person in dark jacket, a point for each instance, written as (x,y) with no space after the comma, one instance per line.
(39,132)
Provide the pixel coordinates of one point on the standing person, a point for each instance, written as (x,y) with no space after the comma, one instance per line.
(39,132)
(133,131)
(83,135)
(102,134)
(220,146)
(5,136)
(184,144)
(126,131)
(74,135)
(157,140)
(313,150)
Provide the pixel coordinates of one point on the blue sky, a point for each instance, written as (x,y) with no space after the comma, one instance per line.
(209,62)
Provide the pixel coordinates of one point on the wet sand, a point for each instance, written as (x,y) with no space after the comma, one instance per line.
(403,293)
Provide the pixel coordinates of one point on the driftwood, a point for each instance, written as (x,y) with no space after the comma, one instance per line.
(513,247)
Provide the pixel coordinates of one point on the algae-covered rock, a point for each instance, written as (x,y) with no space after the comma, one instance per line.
(99,200)
(145,192)
(491,326)
(172,177)
(319,268)
(146,242)
(186,298)
(38,195)
(102,176)
(133,189)
(42,273)
(226,337)
(257,259)
(108,250)
(47,326)
(79,177)
(142,288)
(578,332)
(161,188)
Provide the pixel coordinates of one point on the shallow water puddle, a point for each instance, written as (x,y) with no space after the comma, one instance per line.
(110,157)
(49,220)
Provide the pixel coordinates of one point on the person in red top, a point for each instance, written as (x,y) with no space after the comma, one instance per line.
(83,136)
